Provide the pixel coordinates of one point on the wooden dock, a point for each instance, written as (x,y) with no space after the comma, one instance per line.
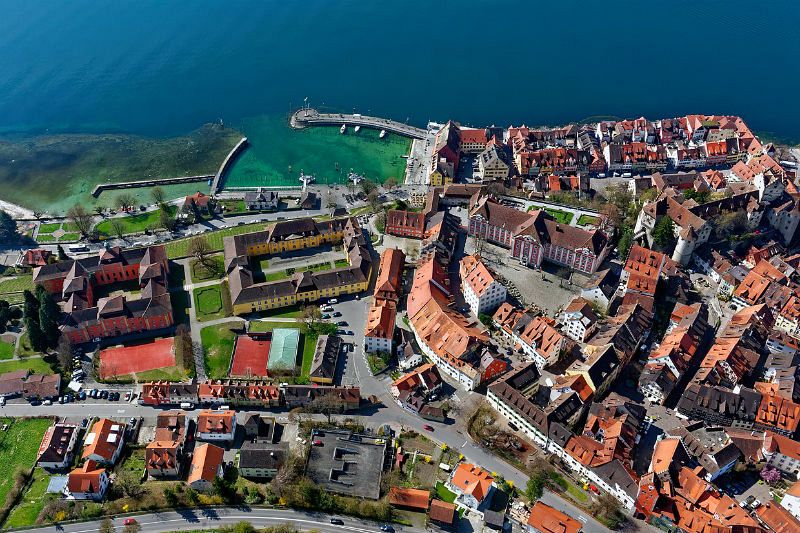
(303,118)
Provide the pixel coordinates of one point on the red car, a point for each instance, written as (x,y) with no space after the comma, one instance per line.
(428,427)
(129,521)
(317,442)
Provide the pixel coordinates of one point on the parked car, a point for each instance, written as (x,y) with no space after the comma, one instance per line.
(333,301)
(337,314)
(104,394)
(82,395)
(341,323)
(387,528)
(35,401)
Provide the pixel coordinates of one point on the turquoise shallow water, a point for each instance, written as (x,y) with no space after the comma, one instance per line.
(163,67)
(278,154)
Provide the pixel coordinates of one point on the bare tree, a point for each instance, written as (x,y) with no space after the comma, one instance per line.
(330,202)
(81,218)
(37,215)
(99,210)
(158,196)
(311,315)
(118,227)
(200,249)
(390,183)
(65,353)
(374,201)
(125,201)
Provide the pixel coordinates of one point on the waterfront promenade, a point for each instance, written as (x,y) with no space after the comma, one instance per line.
(303,118)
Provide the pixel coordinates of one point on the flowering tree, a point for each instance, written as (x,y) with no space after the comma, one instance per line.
(770,475)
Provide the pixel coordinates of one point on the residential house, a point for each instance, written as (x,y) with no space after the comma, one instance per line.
(207,464)
(379,329)
(216,425)
(34,257)
(493,163)
(710,446)
(197,205)
(472,485)
(88,482)
(261,460)
(262,200)
(782,453)
(164,455)
(104,441)
(600,289)
(537,336)
(58,443)
(546,519)
(578,320)
(482,292)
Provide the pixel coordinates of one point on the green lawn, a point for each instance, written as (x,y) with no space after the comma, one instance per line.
(444,494)
(576,493)
(562,217)
(19,447)
(293,311)
(339,263)
(215,269)
(258,326)
(209,302)
(585,220)
(218,348)
(135,223)
(51,227)
(180,248)
(6,350)
(17,284)
(134,462)
(275,276)
(309,345)
(32,502)
(36,364)
(24,348)
(67,237)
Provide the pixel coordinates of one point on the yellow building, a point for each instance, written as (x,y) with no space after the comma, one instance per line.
(438,178)
(302,287)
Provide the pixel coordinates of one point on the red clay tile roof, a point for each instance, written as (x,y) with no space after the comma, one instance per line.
(412,498)
(549,520)
(472,480)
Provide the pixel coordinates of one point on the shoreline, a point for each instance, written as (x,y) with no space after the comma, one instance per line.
(17,212)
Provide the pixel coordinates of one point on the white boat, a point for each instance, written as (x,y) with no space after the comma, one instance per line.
(306,179)
(343,128)
(383,134)
(357,128)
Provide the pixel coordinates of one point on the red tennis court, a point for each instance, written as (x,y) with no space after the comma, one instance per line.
(250,356)
(125,360)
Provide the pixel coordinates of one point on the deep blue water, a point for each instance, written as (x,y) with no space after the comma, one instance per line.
(163,67)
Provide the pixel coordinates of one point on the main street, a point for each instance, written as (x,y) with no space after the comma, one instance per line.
(214,517)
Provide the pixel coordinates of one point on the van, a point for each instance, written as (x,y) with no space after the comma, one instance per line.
(333,301)
(187,406)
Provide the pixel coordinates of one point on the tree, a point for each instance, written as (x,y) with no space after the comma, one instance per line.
(390,183)
(117,227)
(158,196)
(730,223)
(170,497)
(133,527)
(535,488)
(607,509)
(311,316)
(224,489)
(65,354)
(8,229)
(167,222)
(374,201)
(200,250)
(62,255)
(125,201)
(49,317)
(770,475)
(330,201)
(625,242)
(367,186)
(32,327)
(130,484)
(664,232)
(192,496)
(99,210)
(107,526)
(81,218)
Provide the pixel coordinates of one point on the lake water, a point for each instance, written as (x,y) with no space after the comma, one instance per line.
(164,67)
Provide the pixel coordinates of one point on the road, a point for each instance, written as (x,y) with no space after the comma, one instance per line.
(221,516)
